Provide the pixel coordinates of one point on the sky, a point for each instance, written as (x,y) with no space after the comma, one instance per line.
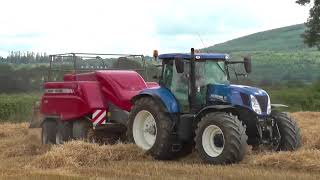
(137,27)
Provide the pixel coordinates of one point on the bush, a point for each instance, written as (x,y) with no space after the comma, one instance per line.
(303,98)
(16,108)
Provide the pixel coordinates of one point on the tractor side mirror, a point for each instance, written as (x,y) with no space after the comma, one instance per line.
(179,65)
(247,64)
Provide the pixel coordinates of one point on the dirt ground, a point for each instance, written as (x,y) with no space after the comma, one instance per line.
(23,157)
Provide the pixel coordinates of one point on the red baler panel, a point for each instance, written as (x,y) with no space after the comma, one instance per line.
(91,76)
(64,106)
(84,98)
(152,84)
(91,92)
(60,85)
(120,86)
(74,99)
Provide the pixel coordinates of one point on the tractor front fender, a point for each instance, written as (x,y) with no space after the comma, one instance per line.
(162,96)
(215,108)
(275,106)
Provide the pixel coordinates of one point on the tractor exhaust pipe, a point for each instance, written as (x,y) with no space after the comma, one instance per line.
(193,88)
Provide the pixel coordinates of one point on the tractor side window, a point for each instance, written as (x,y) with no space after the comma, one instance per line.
(177,83)
(180,87)
(201,83)
(166,79)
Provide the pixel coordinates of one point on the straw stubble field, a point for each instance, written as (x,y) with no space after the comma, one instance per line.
(23,157)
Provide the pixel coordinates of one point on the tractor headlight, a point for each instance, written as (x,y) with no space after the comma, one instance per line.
(255,104)
(269,106)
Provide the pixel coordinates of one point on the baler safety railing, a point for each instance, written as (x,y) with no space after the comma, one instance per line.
(75,58)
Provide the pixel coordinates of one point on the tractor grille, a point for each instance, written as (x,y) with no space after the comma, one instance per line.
(263,101)
(245,99)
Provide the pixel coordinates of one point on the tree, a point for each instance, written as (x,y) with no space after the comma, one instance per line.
(312,34)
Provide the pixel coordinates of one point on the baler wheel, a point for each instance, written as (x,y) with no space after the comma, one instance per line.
(48,133)
(80,129)
(64,132)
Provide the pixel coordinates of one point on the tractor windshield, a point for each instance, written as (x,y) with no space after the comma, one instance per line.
(210,72)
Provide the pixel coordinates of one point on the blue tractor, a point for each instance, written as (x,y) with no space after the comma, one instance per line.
(196,106)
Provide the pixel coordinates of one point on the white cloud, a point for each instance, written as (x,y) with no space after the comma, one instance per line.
(136,26)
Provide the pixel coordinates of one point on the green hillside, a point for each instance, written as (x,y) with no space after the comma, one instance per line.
(281,39)
(279,56)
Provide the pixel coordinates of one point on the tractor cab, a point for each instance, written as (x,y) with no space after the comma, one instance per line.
(210,70)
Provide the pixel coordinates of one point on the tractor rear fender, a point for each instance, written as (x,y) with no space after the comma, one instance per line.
(154,97)
(162,96)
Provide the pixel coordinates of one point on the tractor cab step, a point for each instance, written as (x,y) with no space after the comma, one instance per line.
(176,147)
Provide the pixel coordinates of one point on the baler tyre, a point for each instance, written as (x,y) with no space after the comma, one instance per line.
(289,132)
(151,129)
(64,132)
(221,138)
(80,129)
(48,132)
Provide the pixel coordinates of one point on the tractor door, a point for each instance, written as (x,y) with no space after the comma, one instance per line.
(178,83)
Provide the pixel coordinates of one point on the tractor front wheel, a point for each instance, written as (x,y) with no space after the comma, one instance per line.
(289,131)
(221,138)
(151,128)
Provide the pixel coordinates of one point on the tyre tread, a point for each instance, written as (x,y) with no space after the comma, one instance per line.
(235,149)
(289,131)
(162,149)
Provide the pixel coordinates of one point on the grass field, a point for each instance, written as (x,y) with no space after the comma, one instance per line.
(23,157)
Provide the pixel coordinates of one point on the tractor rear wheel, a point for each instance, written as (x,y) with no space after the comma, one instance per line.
(151,128)
(48,133)
(221,138)
(289,131)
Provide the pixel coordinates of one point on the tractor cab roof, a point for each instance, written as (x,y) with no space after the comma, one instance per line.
(198,56)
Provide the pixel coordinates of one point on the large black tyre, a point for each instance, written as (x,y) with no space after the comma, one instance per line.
(161,148)
(289,131)
(64,131)
(228,140)
(80,129)
(48,133)
(186,149)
